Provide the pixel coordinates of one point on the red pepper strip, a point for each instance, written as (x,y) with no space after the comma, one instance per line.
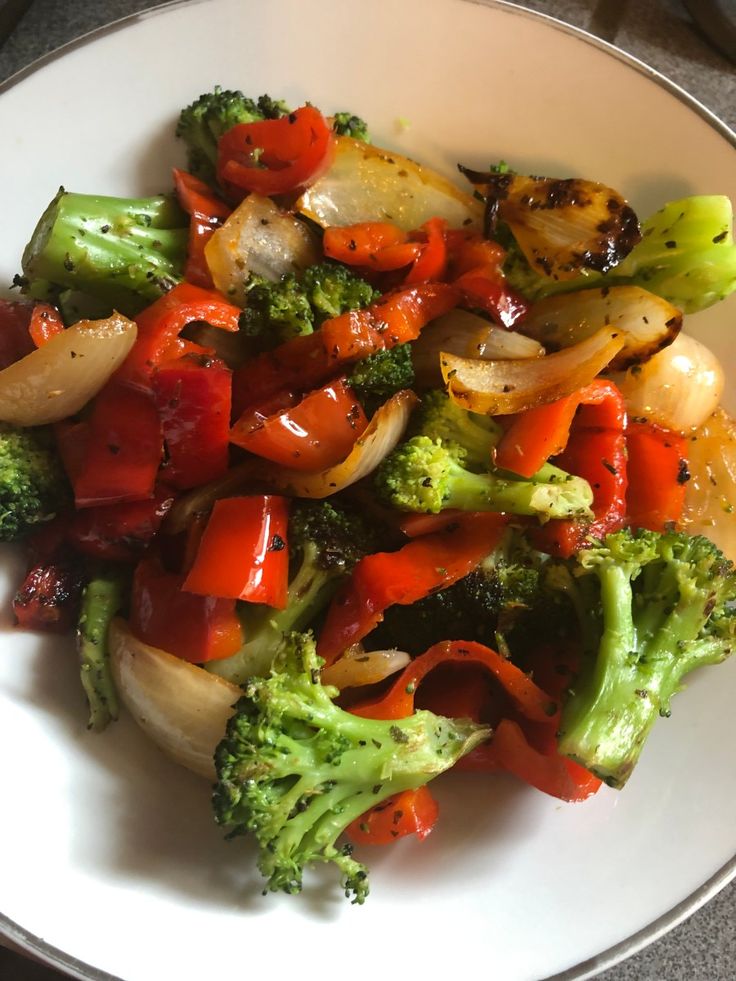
(119,532)
(45,323)
(195,628)
(193,398)
(276,156)
(243,554)
(358,245)
(207,214)
(532,437)
(657,471)
(469,250)
(412,812)
(416,525)
(15,340)
(306,362)
(415,570)
(49,597)
(163,321)
(432,260)
(485,287)
(313,435)
(121,449)
(181,348)
(595,451)
(394,257)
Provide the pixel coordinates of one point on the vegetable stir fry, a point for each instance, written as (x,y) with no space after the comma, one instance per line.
(347,475)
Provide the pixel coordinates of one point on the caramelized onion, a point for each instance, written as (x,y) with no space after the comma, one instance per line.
(358,667)
(647,322)
(58,379)
(561,226)
(366,183)
(505,387)
(182,708)
(710,494)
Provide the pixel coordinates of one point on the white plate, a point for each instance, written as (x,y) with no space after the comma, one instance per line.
(107,851)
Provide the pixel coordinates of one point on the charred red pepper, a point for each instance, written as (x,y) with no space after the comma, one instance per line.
(412,812)
(420,567)
(657,476)
(49,597)
(195,628)
(119,532)
(193,396)
(243,551)
(207,214)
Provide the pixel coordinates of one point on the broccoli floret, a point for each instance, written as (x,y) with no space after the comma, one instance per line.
(298,304)
(346,124)
(379,376)
(33,485)
(325,542)
(429,475)
(439,417)
(686,255)
(294,769)
(203,122)
(102,600)
(654,606)
(126,252)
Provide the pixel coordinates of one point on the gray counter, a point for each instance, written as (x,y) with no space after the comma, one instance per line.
(660,33)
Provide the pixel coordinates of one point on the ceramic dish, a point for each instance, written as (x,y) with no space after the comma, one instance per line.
(111,864)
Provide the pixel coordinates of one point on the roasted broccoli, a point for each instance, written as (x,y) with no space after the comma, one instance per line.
(346,124)
(33,485)
(125,252)
(325,542)
(439,417)
(429,475)
(298,304)
(295,770)
(379,376)
(686,255)
(653,606)
(102,600)
(202,123)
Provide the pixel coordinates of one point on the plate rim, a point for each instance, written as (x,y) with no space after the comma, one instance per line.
(28,942)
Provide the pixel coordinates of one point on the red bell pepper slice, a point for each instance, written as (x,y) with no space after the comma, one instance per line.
(119,532)
(431,262)
(45,323)
(160,324)
(364,244)
(412,812)
(276,156)
(316,433)
(195,628)
(657,476)
(415,570)
(15,339)
(119,449)
(306,362)
(243,551)
(207,213)
(193,398)
(485,288)
(469,250)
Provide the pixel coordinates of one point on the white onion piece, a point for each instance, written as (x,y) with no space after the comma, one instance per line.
(648,322)
(467,335)
(506,387)
(366,183)
(382,435)
(257,238)
(180,707)
(358,667)
(710,494)
(58,379)
(678,388)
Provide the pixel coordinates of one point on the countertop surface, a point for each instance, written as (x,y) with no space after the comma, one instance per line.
(658,32)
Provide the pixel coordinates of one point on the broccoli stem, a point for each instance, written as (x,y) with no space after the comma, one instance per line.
(550,493)
(127,252)
(102,600)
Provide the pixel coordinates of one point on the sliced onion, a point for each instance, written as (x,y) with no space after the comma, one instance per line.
(182,708)
(710,495)
(257,238)
(468,335)
(359,667)
(562,226)
(246,475)
(58,379)
(678,388)
(648,323)
(505,387)
(366,183)
(382,435)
